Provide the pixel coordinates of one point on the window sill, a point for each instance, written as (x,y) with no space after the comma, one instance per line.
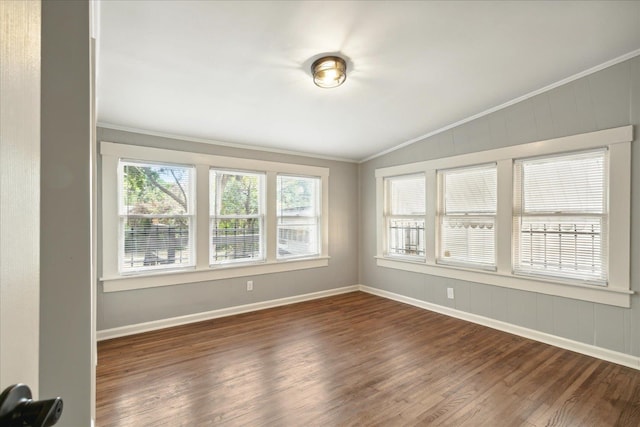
(176,277)
(592,293)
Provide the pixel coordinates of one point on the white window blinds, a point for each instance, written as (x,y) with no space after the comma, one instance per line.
(405,215)
(560,216)
(467,216)
(156,216)
(298,208)
(236,216)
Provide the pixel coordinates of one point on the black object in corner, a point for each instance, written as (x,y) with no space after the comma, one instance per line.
(18,409)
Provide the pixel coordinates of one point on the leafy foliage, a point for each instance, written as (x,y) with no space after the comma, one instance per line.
(155,189)
(238,194)
(295,194)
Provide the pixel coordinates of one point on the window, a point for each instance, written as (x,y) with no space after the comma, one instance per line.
(237,218)
(156,216)
(467,216)
(560,217)
(551,217)
(404,218)
(173,217)
(298,208)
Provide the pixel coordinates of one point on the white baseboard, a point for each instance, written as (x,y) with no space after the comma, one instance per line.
(567,344)
(578,347)
(137,328)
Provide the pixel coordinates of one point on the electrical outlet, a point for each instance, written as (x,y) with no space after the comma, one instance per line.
(249,285)
(450,293)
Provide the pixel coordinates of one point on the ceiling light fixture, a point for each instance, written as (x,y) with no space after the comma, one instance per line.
(329,71)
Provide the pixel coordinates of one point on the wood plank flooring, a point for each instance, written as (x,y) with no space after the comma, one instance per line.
(354,360)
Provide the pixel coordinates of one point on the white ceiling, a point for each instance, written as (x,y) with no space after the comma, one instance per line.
(238,72)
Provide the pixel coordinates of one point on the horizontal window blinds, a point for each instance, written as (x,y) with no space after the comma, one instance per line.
(467,213)
(560,216)
(407,195)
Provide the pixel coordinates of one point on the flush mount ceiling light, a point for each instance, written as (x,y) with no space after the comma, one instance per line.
(329,71)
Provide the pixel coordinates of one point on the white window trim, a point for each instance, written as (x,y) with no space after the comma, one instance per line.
(112,280)
(617,293)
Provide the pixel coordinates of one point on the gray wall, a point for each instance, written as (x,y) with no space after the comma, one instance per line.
(606,99)
(66,367)
(130,307)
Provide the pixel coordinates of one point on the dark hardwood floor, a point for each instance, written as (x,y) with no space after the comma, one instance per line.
(354,359)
